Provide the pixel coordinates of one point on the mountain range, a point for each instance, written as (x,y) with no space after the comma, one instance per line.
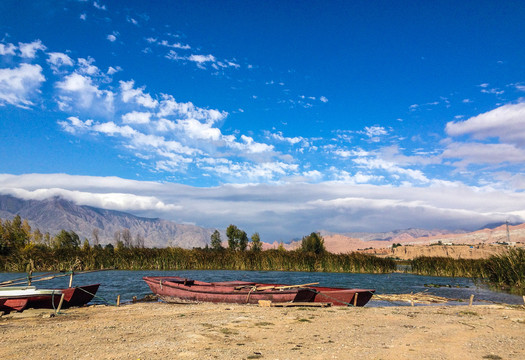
(55,214)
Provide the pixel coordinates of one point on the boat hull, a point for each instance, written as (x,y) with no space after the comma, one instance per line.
(343,297)
(15,304)
(79,295)
(183,290)
(19,299)
(338,296)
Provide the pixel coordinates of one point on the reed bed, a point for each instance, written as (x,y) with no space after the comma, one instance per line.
(48,259)
(505,271)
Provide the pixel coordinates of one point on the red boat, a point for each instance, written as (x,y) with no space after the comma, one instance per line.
(343,297)
(171,288)
(177,289)
(334,295)
(12,304)
(73,296)
(21,298)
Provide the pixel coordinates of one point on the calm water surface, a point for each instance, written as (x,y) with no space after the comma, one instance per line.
(129,283)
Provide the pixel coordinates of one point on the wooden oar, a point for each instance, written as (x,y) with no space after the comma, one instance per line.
(282,287)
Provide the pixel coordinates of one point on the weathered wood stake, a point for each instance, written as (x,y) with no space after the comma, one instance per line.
(59,304)
(355,299)
(471,300)
(118,300)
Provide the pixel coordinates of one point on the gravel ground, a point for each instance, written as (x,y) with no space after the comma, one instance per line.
(225,331)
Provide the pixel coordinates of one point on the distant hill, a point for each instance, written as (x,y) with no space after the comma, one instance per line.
(394,235)
(54,214)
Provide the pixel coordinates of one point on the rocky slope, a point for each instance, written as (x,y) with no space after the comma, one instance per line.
(55,214)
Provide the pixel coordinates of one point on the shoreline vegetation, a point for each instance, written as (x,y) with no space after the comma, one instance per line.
(24,250)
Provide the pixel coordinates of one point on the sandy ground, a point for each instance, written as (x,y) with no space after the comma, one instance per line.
(223,331)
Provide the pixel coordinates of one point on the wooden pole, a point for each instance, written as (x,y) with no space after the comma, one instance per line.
(118,300)
(60,303)
(355,298)
(471,300)
(71,279)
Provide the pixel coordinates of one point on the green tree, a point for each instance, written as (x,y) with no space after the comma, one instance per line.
(66,240)
(16,235)
(38,237)
(231,234)
(215,240)
(313,243)
(256,243)
(85,245)
(242,240)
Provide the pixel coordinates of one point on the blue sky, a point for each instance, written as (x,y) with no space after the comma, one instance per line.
(278,116)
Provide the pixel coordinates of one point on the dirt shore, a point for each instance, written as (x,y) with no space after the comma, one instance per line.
(222,331)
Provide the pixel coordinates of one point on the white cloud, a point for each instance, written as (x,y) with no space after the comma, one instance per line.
(465,154)
(167,44)
(170,107)
(201,58)
(111,201)
(130,94)
(252,146)
(506,122)
(18,85)
(113,70)
(391,168)
(75,125)
(111,37)
(56,60)
(279,136)
(323,99)
(132,21)
(99,6)
(28,50)
(8,49)
(136,117)
(374,131)
(85,66)
(83,17)
(282,211)
(84,94)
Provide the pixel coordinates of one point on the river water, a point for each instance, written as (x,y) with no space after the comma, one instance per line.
(129,283)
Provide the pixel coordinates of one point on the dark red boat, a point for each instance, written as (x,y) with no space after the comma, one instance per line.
(343,297)
(334,295)
(73,296)
(12,304)
(173,288)
(177,289)
(21,298)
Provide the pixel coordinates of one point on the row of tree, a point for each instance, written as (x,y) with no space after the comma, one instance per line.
(238,241)
(17,234)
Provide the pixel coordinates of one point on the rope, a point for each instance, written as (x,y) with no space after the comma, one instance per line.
(98,297)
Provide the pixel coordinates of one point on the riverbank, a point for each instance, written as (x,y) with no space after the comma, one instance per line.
(226,331)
